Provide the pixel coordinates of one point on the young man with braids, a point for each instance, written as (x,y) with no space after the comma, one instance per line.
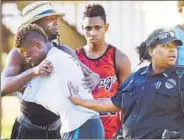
(111,64)
(41,90)
(18,70)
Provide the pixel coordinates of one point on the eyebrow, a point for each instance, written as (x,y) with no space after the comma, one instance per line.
(92,26)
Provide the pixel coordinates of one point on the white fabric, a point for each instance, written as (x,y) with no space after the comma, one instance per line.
(52,91)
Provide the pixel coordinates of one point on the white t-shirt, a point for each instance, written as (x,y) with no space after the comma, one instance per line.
(52,91)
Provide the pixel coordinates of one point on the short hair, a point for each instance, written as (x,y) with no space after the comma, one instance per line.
(180,3)
(94,10)
(28,32)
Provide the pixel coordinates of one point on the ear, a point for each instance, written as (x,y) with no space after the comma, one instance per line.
(106,27)
(150,52)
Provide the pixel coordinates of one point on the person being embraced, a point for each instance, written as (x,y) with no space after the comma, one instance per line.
(151,96)
(51,92)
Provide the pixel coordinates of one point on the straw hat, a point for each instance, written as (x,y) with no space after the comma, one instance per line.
(38,10)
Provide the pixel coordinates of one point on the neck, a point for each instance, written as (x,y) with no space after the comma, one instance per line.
(157,69)
(96,48)
(48,47)
(52,37)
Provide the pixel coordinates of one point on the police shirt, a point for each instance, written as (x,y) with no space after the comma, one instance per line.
(151,103)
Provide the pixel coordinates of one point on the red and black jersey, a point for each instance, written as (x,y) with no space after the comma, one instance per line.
(105,67)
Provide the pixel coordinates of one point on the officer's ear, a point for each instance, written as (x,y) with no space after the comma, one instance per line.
(150,51)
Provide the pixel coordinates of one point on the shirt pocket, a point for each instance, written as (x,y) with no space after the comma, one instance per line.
(166,99)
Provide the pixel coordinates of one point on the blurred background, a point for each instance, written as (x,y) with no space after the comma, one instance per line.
(130,23)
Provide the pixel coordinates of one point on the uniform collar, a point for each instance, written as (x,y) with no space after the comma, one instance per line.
(166,73)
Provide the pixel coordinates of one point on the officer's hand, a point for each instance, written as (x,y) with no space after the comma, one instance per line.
(91,80)
(74,92)
(43,69)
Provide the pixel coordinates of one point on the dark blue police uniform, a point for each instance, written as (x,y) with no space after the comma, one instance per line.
(151,103)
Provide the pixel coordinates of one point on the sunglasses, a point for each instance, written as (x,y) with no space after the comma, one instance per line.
(162,35)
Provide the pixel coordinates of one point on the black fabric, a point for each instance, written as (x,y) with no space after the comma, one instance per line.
(37,114)
(20,132)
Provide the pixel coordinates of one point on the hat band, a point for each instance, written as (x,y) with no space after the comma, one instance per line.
(46,12)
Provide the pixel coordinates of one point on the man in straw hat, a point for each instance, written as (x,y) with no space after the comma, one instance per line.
(19,71)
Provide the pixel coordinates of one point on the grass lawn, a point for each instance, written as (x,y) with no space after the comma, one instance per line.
(10,110)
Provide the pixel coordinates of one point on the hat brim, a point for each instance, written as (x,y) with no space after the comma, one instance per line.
(171,39)
(42,16)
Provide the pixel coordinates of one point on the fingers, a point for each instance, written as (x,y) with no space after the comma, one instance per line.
(70,87)
(86,71)
(45,68)
(91,82)
(87,78)
(44,72)
(73,91)
(87,85)
(47,65)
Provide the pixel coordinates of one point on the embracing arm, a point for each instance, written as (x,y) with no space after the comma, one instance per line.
(11,79)
(123,66)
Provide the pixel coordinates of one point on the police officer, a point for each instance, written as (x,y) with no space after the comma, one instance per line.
(150,97)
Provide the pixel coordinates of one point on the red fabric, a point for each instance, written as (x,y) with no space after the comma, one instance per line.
(105,67)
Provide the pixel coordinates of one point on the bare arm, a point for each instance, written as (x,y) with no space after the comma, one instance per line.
(123,66)
(104,105)
(11,78)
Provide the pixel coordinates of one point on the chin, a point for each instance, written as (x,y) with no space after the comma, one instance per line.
(171,64)
(94,43)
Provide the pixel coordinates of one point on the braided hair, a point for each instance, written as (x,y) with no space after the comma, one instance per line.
(28,32)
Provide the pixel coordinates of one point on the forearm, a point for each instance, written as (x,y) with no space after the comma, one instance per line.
(104,105)
(15,83)
(85,67)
